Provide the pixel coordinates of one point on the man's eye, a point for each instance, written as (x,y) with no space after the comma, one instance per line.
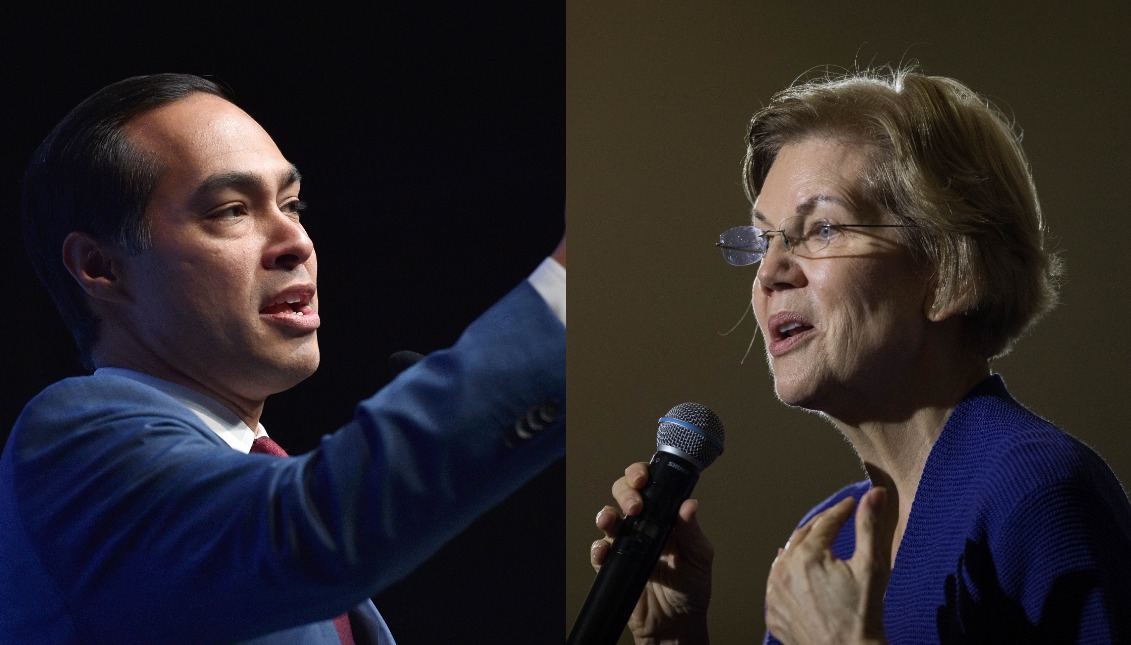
(229,212)
(295,207)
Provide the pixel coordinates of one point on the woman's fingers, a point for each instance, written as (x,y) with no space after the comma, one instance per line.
(821,529)
(608,521)
(626,490)
(598,551)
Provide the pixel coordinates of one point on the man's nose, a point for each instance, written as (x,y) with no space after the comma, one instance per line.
(289,246)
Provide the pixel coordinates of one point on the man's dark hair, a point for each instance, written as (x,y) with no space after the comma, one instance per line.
(86,176)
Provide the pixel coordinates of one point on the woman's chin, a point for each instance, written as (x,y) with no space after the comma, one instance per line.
(798,394)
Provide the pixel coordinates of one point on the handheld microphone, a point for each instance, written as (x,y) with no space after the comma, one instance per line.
(689,439)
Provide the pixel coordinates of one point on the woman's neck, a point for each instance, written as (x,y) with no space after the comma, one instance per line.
(894,443)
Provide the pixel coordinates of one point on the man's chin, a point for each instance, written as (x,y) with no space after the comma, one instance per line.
(282,376)
(303,370)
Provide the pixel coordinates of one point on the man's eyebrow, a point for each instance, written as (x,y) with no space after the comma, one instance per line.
(243,181)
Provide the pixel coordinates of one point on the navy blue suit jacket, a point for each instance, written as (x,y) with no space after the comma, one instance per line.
(124,519)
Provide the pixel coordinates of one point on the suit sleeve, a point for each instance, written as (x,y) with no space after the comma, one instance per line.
(138,526)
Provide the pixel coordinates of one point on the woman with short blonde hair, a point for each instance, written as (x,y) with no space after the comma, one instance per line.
(900,246)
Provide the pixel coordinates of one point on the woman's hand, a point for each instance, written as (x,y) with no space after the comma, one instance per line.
(812,597)
(673,607)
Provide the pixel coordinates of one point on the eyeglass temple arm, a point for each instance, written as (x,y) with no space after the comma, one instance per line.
(876,225)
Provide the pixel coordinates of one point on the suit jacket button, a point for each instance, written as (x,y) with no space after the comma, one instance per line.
(532,423)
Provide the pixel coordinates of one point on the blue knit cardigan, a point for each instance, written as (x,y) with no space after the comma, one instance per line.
(1018,533)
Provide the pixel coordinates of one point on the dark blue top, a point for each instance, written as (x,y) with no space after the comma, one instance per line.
(1018,533)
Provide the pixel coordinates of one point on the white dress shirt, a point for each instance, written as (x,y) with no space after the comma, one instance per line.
(214,414)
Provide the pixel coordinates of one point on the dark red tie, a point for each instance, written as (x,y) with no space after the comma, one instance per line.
(267,446)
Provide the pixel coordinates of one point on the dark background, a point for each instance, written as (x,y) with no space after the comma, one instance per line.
(431,141)
(659,95)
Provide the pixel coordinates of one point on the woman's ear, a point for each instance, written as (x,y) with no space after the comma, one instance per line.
(94,266)
(941,304)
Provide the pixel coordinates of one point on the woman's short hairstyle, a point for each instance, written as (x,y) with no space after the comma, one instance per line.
(945,159)
(86,177)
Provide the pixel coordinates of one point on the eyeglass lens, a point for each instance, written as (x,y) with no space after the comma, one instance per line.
(742,245)
(746,245)
(810,236)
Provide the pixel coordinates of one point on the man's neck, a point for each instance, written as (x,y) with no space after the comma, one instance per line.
(247,410)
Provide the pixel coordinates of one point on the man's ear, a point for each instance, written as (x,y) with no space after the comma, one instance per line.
(94,266)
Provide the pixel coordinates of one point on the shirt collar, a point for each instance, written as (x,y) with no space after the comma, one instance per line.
(211,412)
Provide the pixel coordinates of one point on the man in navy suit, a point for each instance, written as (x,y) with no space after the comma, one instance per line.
(166,225)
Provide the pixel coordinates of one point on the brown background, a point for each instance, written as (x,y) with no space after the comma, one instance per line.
(658,95)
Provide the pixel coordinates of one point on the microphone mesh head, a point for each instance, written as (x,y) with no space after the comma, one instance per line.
(702,441)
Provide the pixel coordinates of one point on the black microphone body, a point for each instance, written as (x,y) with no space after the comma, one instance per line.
(635,552)
(672,475)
